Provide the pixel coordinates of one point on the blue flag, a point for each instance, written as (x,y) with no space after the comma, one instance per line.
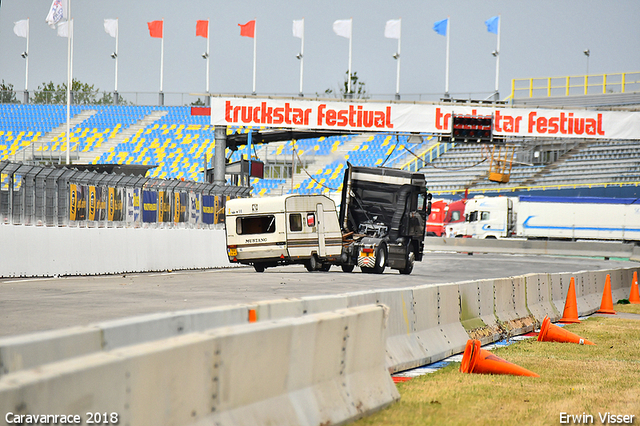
(441,27)
(492,24)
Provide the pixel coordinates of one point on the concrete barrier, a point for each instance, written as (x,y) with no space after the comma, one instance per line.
(259,374)
(511,306)
(606,249)
(539,300)
(91,251)
(31,350)
(439,330)
(477,310)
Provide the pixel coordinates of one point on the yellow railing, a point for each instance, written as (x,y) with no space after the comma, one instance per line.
(575,85)
(419,161)
(531,188)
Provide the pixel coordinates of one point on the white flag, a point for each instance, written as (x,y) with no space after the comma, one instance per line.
(298,28)
(21,28)
(111,27)
(63,29)
(342,28)
(392,29)
(57,12)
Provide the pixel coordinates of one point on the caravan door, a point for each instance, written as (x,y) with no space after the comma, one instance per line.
(322,248)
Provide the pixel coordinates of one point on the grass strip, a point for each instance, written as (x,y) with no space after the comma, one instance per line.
(574,379)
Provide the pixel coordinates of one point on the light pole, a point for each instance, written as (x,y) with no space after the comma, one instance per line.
(587,53)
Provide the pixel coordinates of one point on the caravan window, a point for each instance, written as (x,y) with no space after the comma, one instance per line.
(256,225)
(295,222)
(485,215)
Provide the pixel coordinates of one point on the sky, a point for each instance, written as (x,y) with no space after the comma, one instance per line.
(541,38)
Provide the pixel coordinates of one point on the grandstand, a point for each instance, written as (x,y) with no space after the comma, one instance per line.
(179,144)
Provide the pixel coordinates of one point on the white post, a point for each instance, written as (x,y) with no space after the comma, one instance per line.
(208,35)
(446,77)
(26,68)
(255,36)
(162,57)
(116,58)
(301,57)
(498,59)
(398,59)
(350,44)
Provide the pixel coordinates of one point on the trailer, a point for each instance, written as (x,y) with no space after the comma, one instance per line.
(562,218)
(288,229)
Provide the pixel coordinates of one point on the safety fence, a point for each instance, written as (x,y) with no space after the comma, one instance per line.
(50,196)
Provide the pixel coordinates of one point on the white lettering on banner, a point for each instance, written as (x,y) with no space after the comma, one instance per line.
(427,118)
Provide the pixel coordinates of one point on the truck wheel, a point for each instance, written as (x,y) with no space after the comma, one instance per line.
(381,259)
(312,263)
(259,267)
(411,259)
(347,268)
(325,267)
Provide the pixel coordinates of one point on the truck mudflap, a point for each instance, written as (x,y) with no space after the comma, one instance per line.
(366,260)
(397,256)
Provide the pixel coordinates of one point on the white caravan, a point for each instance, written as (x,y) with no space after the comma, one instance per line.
(270,231)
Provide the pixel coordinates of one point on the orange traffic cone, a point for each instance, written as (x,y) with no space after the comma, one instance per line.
(606,306)
(553,333)
(570,314)
(479,361)
(634,296)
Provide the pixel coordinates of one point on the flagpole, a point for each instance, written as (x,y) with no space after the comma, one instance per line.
(301,57)
(497,95)
(162,58)
(350,44)
(26,68)
(116,58)
(446,78)
(398,59)
(69,78)
(208,35)
(255,36)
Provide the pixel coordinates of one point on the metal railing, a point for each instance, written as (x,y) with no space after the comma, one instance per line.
(50,196)
(575,85)
(428,156)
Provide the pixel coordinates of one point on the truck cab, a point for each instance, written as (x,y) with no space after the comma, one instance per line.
(383,215)
(490,217)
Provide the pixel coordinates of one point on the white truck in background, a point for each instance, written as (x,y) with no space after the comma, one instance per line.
(569,218)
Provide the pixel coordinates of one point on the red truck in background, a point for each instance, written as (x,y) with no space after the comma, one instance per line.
(446,218)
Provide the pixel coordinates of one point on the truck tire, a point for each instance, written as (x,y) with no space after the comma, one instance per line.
(347,268)
(259,267)
(312,263)
(411,259)
(381,259)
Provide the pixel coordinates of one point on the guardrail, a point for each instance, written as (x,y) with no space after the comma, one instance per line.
(296,355)
(606,249)
(575,85)
(427,157)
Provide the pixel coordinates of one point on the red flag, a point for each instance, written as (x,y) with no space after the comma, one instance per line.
(248,29)
(202,29)
(155,29)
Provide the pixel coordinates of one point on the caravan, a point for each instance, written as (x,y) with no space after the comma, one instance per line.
(271,231)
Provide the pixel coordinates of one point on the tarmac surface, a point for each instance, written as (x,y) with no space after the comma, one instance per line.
(38,304)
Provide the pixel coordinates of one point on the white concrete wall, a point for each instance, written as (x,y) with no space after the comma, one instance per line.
(29,251)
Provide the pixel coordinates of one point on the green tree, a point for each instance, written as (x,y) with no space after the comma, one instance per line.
(358,88)
(7,94)
(83,94)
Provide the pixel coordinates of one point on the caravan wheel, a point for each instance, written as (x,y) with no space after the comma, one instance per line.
(312,263)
